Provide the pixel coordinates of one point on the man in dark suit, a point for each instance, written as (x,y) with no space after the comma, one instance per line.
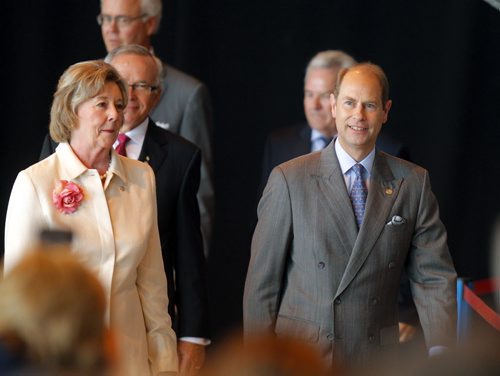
(336,229)
(176,163)
(184,106)
(290,142)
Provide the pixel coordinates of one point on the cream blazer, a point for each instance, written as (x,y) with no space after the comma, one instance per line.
(116,235)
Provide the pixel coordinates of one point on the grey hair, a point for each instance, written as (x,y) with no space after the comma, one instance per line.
(153,8)
(135,49)
(330,59)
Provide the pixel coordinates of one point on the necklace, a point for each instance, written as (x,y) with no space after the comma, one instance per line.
(103,176)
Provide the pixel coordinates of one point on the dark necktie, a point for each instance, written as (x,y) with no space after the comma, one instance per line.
(122,141)
(358,194)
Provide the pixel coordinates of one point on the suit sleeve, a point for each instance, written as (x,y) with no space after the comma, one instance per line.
(191,296)
(23,222)
(431,272)
(269,253)
(152,289)
(196,126)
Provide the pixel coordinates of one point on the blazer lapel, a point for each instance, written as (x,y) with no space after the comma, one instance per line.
(384,189)
(333,192)
(153,149)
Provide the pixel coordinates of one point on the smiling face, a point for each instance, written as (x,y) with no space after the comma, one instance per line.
(99,120)
(140,71)
(359,112)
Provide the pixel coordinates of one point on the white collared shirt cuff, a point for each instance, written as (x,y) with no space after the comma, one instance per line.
(437,350)
(197,340)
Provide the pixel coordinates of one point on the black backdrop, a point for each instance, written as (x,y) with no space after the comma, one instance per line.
(441,58)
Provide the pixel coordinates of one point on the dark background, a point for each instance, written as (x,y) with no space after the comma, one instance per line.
(441,57)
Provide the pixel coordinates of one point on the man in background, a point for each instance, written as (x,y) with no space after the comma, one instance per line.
(176,163)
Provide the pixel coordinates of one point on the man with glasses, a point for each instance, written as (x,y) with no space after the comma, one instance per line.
(184,106)
(176,163)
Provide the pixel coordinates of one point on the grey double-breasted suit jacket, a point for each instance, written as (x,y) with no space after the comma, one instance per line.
(314,277)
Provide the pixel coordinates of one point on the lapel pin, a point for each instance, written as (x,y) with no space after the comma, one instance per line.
(388,191)
(147,159)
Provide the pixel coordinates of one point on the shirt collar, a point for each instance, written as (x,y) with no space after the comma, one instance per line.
(316,135)
(346,161)
(74,167)
(137,134)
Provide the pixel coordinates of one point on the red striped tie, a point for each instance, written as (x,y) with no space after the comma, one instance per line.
(122,141)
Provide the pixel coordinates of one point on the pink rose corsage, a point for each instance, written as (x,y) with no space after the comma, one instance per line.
(67,196)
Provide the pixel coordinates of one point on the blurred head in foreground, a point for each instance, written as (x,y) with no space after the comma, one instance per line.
(52,313)
(266,356)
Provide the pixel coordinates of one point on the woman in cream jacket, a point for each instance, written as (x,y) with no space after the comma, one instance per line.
(108,202)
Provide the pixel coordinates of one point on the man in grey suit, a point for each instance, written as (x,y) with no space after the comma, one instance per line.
(313,135)
(326,270)
(184,107)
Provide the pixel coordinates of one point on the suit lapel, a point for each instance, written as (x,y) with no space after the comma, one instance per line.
(333,192)
(153,149)
(384,189)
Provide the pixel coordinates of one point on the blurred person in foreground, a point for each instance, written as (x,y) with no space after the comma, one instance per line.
(52,317)
(109,203)
(176,164)
(267,355)
(336,229)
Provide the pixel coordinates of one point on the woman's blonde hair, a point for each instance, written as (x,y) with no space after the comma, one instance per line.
(78,83)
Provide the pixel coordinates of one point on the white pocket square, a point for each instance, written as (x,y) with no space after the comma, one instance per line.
(396,221)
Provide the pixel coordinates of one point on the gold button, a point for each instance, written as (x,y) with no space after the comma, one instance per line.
(388,191)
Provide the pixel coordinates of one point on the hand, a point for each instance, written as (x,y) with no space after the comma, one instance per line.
(406,332)
(191,358)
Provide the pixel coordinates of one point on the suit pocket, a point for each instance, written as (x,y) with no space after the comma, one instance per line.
(297,328)
(389,335)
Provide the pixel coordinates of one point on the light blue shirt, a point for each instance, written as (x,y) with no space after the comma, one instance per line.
(317,140)
(346,163)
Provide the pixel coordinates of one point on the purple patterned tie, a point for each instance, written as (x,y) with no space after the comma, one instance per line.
(122,141)
(358,194)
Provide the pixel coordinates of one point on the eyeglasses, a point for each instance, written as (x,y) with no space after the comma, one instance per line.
(142,87)
(121,21)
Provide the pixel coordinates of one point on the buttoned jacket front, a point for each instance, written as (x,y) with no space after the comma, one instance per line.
(313,276)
